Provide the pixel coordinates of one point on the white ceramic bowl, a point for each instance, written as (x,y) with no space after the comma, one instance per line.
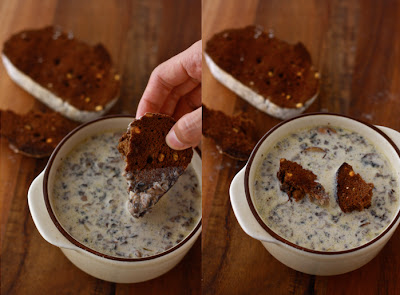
(119,270)
(296,257)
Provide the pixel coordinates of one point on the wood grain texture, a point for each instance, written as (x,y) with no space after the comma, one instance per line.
(353,44)
(139,35)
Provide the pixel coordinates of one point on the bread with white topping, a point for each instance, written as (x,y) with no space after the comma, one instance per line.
(275,77)
(68,75)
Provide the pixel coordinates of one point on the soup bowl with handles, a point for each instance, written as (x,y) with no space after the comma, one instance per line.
(109,268)
(295,256)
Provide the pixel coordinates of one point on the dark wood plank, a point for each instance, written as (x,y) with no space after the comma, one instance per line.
(139,34)
(353,44)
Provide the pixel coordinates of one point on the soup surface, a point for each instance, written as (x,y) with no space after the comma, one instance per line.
(326,228)
(90,197)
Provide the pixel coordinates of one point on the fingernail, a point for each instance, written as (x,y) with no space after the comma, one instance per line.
(173,141)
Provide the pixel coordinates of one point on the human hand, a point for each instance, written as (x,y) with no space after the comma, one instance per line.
(174,88)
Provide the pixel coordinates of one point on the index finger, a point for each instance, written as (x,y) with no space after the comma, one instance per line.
(180,73)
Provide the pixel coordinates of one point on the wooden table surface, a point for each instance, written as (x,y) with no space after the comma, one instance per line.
(356,47)
(139,35)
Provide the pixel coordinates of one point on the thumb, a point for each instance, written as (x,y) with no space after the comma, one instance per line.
(186,132)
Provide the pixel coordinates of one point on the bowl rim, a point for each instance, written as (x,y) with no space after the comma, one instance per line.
(278,237)
(70,237)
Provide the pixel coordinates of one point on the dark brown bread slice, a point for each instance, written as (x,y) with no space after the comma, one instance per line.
(278,71)
(34,134)
(80,74)
(152,167)
(297,182)
(353,193)
(234,135)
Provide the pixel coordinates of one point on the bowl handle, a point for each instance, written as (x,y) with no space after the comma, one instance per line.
(41,217)
(393,134)
(243,213)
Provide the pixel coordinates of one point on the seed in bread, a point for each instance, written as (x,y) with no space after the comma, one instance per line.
(297,182)
(152,167)
(34,134)
(353,193)
(233,135)
(68,75)
(276,77)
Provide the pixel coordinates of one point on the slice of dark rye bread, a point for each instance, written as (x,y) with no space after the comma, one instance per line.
(234,136)
(276,77)
(68,75)
(353,193)
(297,182)
(34,134)
(152,167)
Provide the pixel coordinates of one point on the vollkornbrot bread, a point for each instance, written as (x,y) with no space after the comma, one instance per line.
(276,77)
(152,167)
(68,75)
(297,182)
(34,134)
(233,135)
(353,193)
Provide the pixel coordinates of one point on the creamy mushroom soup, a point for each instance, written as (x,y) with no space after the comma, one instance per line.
(326,228)
(90,197)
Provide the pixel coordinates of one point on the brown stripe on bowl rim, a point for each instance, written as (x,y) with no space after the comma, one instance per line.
(278,237)
(72,239)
